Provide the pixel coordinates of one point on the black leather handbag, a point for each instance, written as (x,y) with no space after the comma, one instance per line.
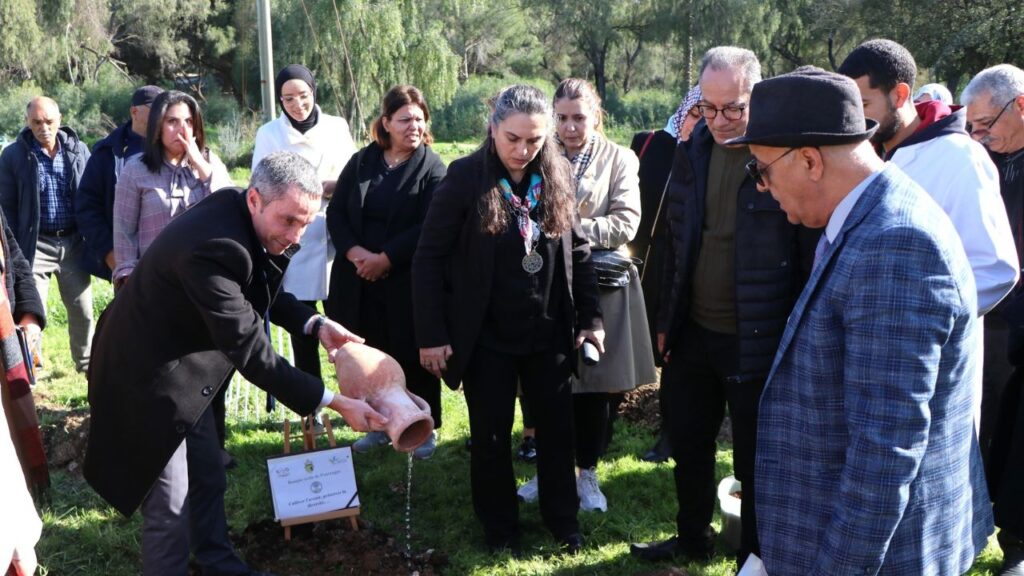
(613,269)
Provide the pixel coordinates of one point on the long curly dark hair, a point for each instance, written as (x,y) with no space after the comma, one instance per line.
(558,202)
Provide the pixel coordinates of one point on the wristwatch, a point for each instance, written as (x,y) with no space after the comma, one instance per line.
(318,323)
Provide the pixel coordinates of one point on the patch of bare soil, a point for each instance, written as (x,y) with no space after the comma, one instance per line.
(640,407)
(65,437)
(332,548)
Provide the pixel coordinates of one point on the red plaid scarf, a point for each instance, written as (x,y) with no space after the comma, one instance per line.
(19,406)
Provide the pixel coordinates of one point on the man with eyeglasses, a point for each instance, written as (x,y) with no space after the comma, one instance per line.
(929,142)
(995,110)
(867,461)
(737,268)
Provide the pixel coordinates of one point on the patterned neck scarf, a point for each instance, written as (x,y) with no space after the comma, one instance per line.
(581,161)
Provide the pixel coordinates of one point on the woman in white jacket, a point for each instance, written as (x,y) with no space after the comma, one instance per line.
(325,141)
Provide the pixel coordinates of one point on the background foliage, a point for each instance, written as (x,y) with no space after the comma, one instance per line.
(641,54)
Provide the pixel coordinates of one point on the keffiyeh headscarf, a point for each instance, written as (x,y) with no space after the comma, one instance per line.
(581,161)
(676,121)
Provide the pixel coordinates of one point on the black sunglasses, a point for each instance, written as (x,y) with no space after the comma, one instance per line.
(758,173)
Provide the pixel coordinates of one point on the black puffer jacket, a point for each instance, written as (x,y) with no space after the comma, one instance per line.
(773,258)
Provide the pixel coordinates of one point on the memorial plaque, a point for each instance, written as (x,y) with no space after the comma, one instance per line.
(312,483)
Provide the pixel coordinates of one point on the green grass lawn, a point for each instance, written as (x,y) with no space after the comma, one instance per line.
(84,536)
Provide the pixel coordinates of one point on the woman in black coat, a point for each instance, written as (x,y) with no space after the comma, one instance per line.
(505,292)
(374,220)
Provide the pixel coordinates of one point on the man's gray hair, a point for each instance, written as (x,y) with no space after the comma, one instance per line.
(278,172)
(733,58)
(1001,83)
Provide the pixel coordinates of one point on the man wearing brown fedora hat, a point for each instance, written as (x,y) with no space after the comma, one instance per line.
(867,462)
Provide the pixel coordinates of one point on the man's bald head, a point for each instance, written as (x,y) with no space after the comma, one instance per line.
(42,116)
(42,101)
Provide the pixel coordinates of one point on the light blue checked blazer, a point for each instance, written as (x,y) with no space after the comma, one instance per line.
(867,460)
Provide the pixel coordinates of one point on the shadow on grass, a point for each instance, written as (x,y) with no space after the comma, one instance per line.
(83,535)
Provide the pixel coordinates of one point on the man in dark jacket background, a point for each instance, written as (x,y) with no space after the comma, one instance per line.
(995,111)
(94,205)
(737,270)
(39,174)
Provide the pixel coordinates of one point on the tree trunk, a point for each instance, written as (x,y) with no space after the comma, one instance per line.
(631,58)
(688,49)
(597,60)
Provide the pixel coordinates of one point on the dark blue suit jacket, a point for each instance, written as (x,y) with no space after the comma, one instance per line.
(867,460)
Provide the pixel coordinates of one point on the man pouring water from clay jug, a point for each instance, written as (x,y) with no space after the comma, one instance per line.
(199,307)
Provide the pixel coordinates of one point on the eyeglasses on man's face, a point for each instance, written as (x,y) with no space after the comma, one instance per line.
(730,112)
(758,173)
(989,125)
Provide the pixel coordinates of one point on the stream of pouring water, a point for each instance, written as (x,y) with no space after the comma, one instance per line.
(408,518)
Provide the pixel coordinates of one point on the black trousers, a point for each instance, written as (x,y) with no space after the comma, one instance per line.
(592,417)
(1006,461)
(490,386)
(373,327)
(702,374)
(306,350)
(185,510)
(996,373)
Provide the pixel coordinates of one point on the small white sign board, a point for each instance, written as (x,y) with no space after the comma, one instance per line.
(312,483)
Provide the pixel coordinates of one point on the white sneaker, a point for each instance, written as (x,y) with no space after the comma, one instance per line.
(528,492)
(591,498)
(370,441)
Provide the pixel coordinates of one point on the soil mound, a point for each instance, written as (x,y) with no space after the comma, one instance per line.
(332,548)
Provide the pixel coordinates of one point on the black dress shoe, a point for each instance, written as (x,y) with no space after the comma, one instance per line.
(660,452)
(674,548)
(655,551)
(1013,562)
(572,544)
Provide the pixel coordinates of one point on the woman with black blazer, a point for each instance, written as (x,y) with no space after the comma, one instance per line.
(374,220)
(505,292)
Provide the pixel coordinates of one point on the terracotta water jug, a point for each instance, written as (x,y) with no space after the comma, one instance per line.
(376,378)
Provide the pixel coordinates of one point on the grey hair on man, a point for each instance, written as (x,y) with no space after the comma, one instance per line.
(1001,83)
(280,171)
(733,58)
